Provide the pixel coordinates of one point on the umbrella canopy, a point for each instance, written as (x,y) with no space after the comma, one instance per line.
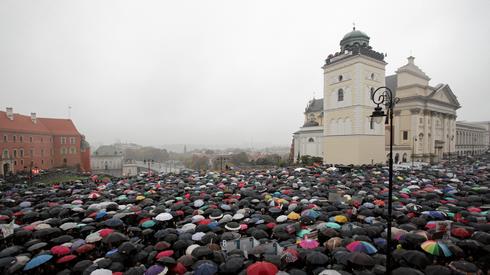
(309,244)
(361,246)
(37,261)
(262,268)
(436,248)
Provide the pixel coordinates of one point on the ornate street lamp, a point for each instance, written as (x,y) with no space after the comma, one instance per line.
(384,96)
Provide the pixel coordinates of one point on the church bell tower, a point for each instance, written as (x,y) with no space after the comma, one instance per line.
(350,76)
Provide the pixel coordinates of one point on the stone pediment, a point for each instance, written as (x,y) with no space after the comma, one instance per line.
(443,93)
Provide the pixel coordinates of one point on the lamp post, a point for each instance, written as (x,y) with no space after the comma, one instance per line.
(413,148)
(384,96)
(149,161)
(449,151)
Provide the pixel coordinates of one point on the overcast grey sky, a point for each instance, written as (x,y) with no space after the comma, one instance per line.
(220,72)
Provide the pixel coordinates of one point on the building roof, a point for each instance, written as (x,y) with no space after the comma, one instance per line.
(311,123)
(413,69)
(108,150)
(60,126)
(355,37)
(22,124)
(315,105)
(48,126)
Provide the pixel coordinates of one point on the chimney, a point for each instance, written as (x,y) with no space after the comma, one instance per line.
(34,118)
(410,59)
(10,113)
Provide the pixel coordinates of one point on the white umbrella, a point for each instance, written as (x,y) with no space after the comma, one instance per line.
(164,217)
(68,225)
(101,271)
(92,238)
(198,236)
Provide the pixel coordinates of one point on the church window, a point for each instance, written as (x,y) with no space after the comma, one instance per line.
(405,135)
(341,78)
(372,76)
(311,140)
(340,95)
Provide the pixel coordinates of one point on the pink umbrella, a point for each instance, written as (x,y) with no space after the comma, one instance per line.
(309,244)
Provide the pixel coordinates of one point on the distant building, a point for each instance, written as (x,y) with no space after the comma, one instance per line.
(45,143)
(471,138)
(338,127)
(107,159)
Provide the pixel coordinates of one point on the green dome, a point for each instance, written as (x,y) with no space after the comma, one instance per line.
(355,37)
(355,34)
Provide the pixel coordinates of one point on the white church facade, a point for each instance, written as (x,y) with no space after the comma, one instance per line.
(339,129)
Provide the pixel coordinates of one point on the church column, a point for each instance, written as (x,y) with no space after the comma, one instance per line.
(425,150)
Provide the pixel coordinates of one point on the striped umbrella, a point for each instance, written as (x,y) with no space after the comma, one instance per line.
(436,248)
(361,246)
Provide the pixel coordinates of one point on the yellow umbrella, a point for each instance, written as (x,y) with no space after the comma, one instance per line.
(140,198)
(340,219)
(294,216)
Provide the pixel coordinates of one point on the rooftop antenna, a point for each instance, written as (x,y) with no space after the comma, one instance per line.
(353,26)
(69,112)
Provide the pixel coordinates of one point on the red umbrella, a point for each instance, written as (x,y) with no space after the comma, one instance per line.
(165,253)
(85,248)
(178,268)
(262,268)
(460,232)
(66,259)
(60,250)
(104,232)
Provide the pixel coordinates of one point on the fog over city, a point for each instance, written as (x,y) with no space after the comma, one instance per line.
(235,73)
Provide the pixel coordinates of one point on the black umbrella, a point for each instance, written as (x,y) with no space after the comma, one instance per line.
(415,258)
(437,270)
(7,261)
(126,248)
(61,239)
(81,266)
(407,271)
(362,259)
(115,237)
(202,251)
(36,246)
(463,266)
(166,261)
(12,250)
(317,258)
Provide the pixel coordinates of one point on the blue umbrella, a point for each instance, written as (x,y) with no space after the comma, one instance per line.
(206,268)
(37,261)
(100,214)
(113,222)
(435,214)
(310,213)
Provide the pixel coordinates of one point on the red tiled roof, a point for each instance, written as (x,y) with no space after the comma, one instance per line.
(60,126)
(24,124)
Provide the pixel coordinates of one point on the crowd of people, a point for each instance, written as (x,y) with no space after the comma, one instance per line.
(314,220)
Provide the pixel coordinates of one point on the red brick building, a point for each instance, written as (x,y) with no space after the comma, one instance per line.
(29,141)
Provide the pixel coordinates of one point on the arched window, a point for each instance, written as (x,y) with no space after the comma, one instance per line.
(21,152)
(340,95)
(404,158)
(341,78)
(372,76)
(5,154)
(397,157)
(371,93)
(311,140)
(15,153)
